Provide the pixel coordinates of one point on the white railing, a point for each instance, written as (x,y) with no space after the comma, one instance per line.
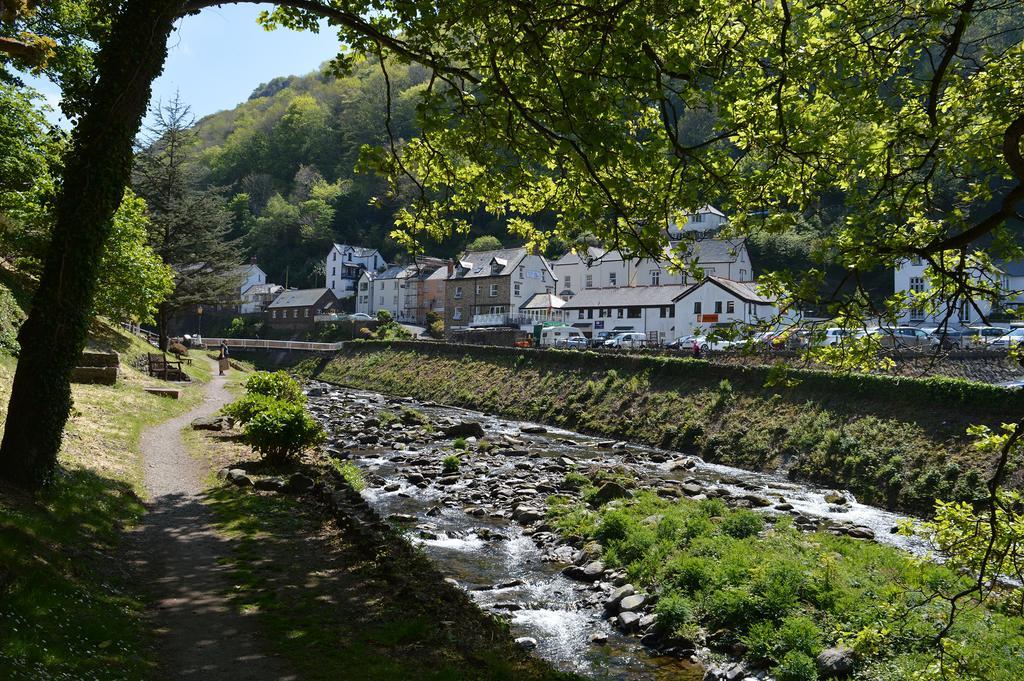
(261,344)
(502,319)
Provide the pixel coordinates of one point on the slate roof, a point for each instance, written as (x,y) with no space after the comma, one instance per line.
(745,291)
(358,251)
(543,301)
(628,296)
(710,251)
(478,263)
(1013,268)
(299,298)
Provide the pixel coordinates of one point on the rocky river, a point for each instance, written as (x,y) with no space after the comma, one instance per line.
(483,523)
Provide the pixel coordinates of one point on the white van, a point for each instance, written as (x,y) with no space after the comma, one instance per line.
(555,336)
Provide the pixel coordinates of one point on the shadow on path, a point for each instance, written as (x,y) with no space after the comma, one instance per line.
(177,556)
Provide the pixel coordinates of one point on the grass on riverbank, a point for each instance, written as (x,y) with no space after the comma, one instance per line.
(887,451)
(66,610)
(780,596)
(331,606)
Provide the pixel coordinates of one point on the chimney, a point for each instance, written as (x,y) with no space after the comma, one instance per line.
(451,268)
(252,260)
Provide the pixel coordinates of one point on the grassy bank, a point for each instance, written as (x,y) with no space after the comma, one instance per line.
(332,605)
(66,610)
(756,587)
(899,443)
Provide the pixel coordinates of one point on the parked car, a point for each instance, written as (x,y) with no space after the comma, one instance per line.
(631,341)
(681,343)
(977,336)
(900,337)
(830,337)
(576,343)
(361,317)
(599,339)
(1008,340)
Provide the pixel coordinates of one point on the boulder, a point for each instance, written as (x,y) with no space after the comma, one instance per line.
(835,663)
(836,498)
(527,515)
(861,533)
(633,603)
(629,621)
(533,430)
(599,638)
(610,491)
(590,572)
(691,489)
(238,477)
(297,484)
(465,429)
(612,604)
(268,485)
(526,643)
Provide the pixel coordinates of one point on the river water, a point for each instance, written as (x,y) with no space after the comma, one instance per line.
(464,522)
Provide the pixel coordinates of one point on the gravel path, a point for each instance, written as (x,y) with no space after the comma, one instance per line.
(175,554)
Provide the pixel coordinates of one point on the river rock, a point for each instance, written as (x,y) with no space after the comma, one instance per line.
(465,429)
(599,638)
(691,489)
(590,572)
(616,596)
(682,464)
(861,533)
(633,603)
(526,642)
(835,663)
(837,498)
(527,515)
(215,423)
(610,491)
(533,430)
(756,500)
(629,621)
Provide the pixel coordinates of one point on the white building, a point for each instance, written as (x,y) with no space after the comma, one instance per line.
(345,263)
(910,276)
(248,276)
(403,290)
(706,219)
(645,309)
(257,297)
(718,301)
(381,290)
(598,268)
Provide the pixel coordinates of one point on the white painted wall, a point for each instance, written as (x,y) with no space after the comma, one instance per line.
(712,298)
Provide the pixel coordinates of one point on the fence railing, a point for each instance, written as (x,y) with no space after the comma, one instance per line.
(261,344)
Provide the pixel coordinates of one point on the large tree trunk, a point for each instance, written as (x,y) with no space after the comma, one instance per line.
(96,171)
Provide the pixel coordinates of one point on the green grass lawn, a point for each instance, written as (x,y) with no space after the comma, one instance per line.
(66,609)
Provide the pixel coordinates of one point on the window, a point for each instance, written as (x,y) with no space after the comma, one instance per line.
(334,256)
(612,279)
(568,281)
(718,307)
(493,293)
(698,217)
(581,313)
(333,271)
(273,315)
(517,289)
(696,307)
(662,312)
(633,312)
(965,311)
(478,289)
(295,313)
(457,314)
(521,268)
(458,291)
(589,281)
(621,311)
(306,312)
(730,307)
(655,277)
(590,314)
(667,311)
(917,284)
(916,261)
(743,275)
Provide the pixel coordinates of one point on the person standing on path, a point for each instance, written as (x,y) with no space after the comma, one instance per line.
(222,360)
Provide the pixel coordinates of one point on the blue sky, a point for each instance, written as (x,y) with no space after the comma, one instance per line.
(219,56)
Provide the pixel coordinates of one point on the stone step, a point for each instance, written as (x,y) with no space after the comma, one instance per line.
(173,393)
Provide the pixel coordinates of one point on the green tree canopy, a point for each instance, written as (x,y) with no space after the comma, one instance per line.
(484,243)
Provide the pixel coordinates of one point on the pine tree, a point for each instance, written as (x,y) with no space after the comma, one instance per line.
(189,225)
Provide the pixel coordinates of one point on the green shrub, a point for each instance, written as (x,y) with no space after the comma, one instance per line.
(796,666)
(245,408)
(575,480)
(674,611)
(282,431)
(459,443)
(761,641)
(450,463)
(690,574)
(779,587)
(277,384)
(730,608)
(800,634)
(742,523)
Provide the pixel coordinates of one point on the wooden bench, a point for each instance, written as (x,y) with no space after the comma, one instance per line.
(161,367)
